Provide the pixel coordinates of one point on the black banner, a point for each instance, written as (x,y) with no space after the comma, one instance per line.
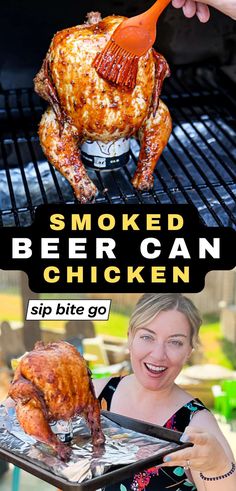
(132,248)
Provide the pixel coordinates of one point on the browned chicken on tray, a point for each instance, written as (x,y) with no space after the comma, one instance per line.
(84,106)
(52,382)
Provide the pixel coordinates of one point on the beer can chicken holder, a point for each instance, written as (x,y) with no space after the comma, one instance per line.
(109,156)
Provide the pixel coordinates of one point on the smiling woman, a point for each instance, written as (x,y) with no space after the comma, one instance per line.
(163,331)
(159,349)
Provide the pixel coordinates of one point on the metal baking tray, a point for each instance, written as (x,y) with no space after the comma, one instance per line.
(115,474)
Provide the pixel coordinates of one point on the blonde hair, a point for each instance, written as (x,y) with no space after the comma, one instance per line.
(150,305)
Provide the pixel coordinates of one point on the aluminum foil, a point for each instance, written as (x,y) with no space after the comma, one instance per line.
(122,447)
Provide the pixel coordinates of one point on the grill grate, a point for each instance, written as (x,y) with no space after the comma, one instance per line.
(197,167)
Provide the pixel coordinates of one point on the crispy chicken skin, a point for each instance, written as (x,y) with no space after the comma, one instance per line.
(86,107)
(52,382)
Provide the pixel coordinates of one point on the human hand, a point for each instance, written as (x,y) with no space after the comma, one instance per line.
(191,8)
(207,454)
(9,404)
(201,9)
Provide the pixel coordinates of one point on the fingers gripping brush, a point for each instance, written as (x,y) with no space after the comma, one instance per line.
(118,61)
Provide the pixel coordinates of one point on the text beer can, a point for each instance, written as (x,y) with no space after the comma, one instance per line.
(63,430)
(105,156)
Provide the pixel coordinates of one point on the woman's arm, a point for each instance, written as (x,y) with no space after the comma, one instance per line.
(201,10)
(210,454)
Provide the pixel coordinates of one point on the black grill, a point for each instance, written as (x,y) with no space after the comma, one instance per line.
(197,167)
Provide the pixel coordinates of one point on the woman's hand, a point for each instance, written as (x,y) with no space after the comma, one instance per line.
(9,403)
(207,454)
(191,8)
(201,10)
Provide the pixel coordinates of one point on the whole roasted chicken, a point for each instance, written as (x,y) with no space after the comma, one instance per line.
(52,382)
(83,106)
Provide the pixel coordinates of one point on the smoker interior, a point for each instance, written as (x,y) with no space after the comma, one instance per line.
(197,166)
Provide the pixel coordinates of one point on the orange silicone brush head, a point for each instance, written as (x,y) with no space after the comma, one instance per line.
(118,62)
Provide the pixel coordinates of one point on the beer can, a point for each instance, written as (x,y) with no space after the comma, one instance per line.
(105,156)
(63,430)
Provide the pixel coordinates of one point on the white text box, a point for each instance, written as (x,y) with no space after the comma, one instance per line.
(68,309)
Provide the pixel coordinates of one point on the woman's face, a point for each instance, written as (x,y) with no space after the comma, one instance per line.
(159,350)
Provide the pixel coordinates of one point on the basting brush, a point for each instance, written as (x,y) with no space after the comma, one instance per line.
(118,61)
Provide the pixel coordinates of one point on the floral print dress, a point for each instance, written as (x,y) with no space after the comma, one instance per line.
(156,479)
